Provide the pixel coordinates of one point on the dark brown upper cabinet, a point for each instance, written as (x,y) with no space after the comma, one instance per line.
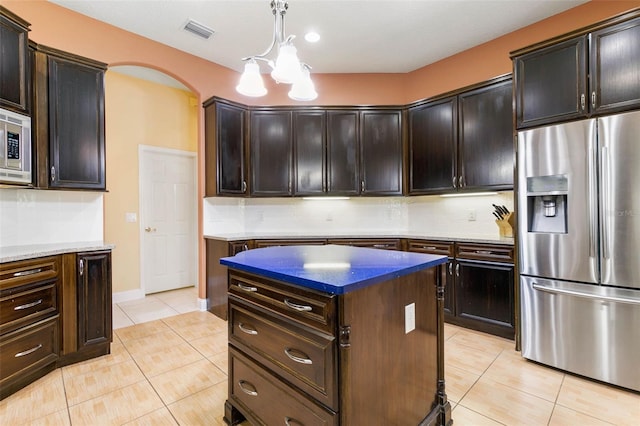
(13,62)
(343,153)
(433,132)
(309,151)
(485,141)
(381,152)
(68,111)
(271,147)
(463,142)
(595,71)
(225,150)
(615,67)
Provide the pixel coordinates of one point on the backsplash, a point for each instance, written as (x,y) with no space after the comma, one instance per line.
(29,216)
(427,215)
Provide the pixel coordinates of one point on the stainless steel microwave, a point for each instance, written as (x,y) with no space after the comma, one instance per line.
(15,148)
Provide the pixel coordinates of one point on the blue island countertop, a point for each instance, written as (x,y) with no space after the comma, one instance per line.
(333,269)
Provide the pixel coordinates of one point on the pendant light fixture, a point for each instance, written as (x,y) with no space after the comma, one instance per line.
(286,69)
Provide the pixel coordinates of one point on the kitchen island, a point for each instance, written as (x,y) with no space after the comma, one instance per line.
(336,335)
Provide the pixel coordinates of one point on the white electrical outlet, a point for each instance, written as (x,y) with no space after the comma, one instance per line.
(409,318)
(471,215)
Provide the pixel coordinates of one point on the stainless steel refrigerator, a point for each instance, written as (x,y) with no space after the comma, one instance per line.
(579,247)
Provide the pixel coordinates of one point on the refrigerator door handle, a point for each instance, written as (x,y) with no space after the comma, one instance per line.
(606,179)
(602,298)
(592,188)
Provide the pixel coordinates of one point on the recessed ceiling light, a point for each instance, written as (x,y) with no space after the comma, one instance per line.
(312,36)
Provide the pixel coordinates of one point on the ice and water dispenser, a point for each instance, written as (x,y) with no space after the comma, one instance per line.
(547,204)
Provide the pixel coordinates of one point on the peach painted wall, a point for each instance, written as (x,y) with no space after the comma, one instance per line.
(138,112)
(57,27)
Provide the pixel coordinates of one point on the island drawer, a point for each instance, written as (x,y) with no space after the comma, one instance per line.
(25,304)
(302,356)
(309,307)
(264,399)
(32,347)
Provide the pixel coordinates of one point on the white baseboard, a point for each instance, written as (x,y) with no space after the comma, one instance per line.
(125,296)
(202,304)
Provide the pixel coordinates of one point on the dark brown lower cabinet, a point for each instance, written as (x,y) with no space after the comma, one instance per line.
(217,274)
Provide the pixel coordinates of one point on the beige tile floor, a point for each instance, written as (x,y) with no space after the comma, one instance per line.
(173,370)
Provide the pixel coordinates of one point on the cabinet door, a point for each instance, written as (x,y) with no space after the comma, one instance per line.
(432,147)
(381,152)
(94,298)
(342,152)
(615,67)
(76,125)
(271,151)
(551,83)
(13,61)
(484,297)
(227,122)
(485,144)
(309,152)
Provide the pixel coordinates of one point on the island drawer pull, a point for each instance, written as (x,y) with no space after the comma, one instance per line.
(247,288)
(299,359)
(243,328)
(28,351)
(382,245)
(430,247)
(295,306)
(29,272)
(290,421)
(248,391)
(27,305)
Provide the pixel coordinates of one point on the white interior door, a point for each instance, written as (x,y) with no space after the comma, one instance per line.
(168,219)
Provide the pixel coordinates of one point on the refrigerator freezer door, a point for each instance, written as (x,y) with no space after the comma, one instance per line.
(557,163)
(619,141)
(582,328)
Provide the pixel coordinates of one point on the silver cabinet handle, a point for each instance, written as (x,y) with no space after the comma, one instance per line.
(361,186)
(582,101)
(429,247)
(246,390)
(593,99)
(53,174)
(454,182)
(484,252)
(457,270)
(450,268)
(247,288)
(629,301)
(244,186)
(295,306)
(381,245)
(243,328)
(27,305)
(81,267)
(29,272)
(460,181)
(301,360)
(245,247)
(288,420)
(27,352)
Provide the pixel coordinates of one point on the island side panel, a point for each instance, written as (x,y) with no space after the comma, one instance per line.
(389,376)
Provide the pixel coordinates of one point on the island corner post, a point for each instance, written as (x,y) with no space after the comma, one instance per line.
(361,345)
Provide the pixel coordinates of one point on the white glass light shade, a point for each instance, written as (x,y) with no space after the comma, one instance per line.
(287,69)
(303,89)
(251,83)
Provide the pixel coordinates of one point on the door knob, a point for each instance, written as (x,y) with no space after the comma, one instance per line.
(150,229)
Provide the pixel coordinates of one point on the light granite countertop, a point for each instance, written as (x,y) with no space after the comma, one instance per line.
(14,253)
(294,235)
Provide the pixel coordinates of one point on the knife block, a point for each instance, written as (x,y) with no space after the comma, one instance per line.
(506,225)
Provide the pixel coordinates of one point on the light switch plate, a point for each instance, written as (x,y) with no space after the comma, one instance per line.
(409,318)
(130,217)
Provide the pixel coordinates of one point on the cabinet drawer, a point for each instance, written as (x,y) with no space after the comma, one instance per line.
(22,305)
(306,306)
(491,253)
(14,274)
(385,244)
(301,356)
(265,400)
(444,248)
(33,346)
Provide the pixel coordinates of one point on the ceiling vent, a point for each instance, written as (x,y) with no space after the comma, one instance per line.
(198,29)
